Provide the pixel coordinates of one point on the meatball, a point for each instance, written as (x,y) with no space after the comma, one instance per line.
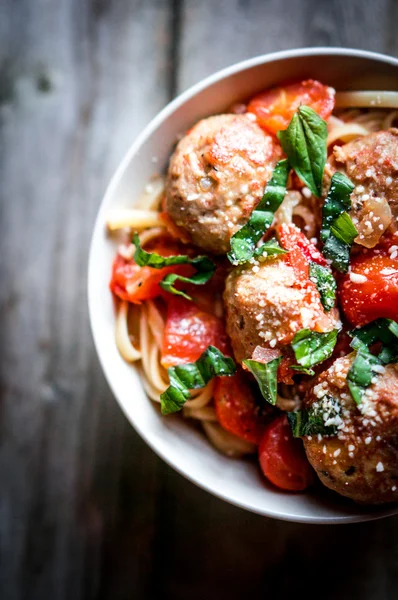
(361,461)
(371,162)
(217,176)
(266,306)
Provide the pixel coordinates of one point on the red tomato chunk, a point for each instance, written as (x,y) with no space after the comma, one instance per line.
(189,331)
(274,108)
(282,458)
(370,290)
(136,284)
(237,410)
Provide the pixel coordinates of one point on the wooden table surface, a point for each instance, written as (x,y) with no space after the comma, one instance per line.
(86,509)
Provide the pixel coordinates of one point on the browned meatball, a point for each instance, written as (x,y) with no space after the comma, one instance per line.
(371,162)
(361,461)
(266,306)
(217,176)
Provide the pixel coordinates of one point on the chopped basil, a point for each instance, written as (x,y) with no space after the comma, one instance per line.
(338,246)
(366,365)
(199,278)
(380,330)
(338,201)
(361,373)
(268,249)
(388,354)
(311,347)
(192,376)
(304,143)
(344,229)
(325,284)
(338,253)
(304,370)
(243,242)
(338,231)
(320,418)
(203,264)
(266,376)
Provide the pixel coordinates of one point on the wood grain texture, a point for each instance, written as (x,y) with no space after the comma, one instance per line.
(217,34)
(86,509)
(79,80)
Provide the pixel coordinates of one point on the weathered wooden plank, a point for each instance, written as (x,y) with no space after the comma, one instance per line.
(79,79)
(217,34)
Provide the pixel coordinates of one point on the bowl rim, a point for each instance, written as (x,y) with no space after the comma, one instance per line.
(146,132)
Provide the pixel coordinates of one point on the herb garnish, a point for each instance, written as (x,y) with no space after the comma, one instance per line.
(380,330)
(243,242)
(338,231)
(192,376)
(361,373)
(338,201)
(304,143)
(270,248)
(266,376)
(366,365)
(325,283)
(320,418)
(204,266)
(311,347)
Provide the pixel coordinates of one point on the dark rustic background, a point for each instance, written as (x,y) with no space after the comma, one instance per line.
(86,509)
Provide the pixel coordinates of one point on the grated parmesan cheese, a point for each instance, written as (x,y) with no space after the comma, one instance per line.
(357,277)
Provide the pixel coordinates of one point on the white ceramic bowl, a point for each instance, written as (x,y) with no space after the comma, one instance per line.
(179,444)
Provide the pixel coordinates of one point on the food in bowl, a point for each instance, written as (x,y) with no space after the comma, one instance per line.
(249,298)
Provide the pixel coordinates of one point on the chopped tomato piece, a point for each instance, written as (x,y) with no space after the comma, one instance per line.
(285,373)
(370,290)
(189,331)
(292,238)
(282,458)
(135,284)
(274,108)
(237,410)
(300,265)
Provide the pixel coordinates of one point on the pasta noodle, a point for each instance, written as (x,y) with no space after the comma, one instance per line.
(358,114)
(367,99)
(123,342)
(225,442)
(133,218)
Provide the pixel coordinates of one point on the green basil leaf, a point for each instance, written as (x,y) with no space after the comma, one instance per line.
(388,354)
(337,247)
(301,369)
(338,253)
(361,373)
(338,231)
(205,268)
(325,283)
(243,242)
(192,376)
(311,347)
(380,330)
(266,376)
(344,229)
(304,143)
(365,364)
(323,417)
(203,264)
(338,201)
(268,249)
